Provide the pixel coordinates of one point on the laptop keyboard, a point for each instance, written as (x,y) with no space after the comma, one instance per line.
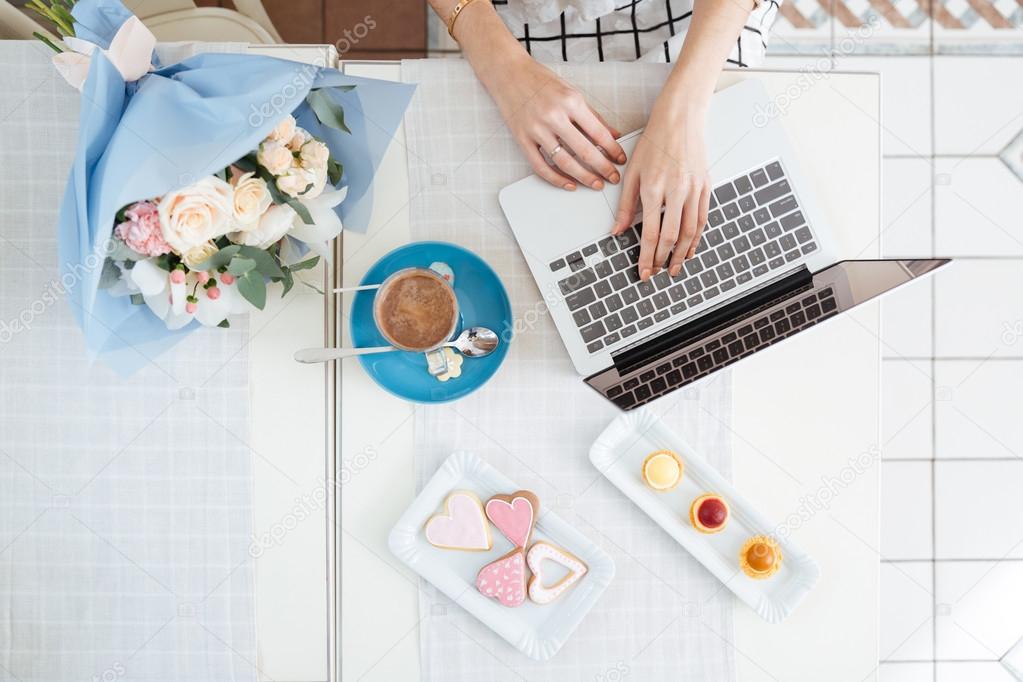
(754,229)
(755,333)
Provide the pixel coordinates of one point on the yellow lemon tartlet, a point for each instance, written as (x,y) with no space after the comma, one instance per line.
(662,470)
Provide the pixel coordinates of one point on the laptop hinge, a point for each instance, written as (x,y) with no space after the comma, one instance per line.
(673,338)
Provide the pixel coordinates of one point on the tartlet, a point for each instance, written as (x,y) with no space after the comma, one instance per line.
(662,470)
(709,513)
(760,557)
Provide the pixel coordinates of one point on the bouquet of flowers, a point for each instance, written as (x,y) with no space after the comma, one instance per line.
(201,186)
(207,250)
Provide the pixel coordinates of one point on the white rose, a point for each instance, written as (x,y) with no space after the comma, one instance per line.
(198,254)
(274,224)
(284,130)
(251,199)
(314,155)
(194,215)
(298,139)
(275,157)
(295,182)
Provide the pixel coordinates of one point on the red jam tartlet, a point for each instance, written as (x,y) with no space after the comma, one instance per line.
(760,557)
(709,513)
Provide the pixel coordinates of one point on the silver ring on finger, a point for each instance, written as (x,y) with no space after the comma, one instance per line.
(554,152)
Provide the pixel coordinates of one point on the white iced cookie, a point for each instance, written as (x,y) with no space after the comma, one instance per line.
(454,365)
(542,552)
(444,270)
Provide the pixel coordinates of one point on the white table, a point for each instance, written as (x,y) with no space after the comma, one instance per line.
(810,406)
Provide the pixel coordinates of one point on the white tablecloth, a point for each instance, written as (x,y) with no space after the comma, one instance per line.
(664,617)
(125,504)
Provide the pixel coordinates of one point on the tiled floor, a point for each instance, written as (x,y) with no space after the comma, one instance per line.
(952,543)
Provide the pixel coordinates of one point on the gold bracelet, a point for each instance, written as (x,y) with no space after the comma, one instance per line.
(462,4)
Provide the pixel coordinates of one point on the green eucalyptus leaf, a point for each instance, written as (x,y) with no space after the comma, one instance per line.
(253,289)
(122,252)
(307,264)
(289,281)
(138,299)
(247,164)
(110,275)
(240,265)
(219,259)
(312,286)
(327,110)
(224,324)
(280,197)
(334,171)
(164,262)
(265,263)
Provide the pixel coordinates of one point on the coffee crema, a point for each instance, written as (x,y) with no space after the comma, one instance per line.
(416,311)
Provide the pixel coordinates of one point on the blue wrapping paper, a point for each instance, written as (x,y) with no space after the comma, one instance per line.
(176,125)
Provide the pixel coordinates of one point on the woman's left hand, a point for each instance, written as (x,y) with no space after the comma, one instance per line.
(668,170)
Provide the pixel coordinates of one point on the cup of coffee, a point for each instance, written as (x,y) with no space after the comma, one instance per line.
(416,310)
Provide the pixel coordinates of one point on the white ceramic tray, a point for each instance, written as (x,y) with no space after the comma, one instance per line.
(619,453)
(535,630)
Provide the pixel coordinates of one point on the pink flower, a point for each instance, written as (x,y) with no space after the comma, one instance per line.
(141,230)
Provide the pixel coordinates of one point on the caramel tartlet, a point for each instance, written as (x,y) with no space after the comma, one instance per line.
(760,557)
(662,470)
(709,513)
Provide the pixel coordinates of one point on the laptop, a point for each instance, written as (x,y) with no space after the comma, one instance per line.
(765,268)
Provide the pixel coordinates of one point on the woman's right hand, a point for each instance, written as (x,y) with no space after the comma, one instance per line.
(544,113)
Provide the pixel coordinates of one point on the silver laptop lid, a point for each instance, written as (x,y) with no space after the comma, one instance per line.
(787,306)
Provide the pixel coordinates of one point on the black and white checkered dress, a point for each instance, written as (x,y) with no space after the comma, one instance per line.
(645,30)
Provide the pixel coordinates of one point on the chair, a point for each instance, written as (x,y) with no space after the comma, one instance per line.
(15,25)
(173,20)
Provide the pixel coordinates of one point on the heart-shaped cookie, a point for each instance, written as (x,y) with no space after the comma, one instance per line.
(504,579)
(514,515)
(542,552)
(461,525)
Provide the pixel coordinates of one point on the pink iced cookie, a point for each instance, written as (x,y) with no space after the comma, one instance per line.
(504,579)
(461,525)
(514,515)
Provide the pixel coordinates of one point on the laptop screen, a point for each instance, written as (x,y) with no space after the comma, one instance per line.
(699,347)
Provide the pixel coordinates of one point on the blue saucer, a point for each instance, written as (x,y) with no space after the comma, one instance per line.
(482,300)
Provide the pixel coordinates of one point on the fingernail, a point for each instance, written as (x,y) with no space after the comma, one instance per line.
(621,158)
(597,184)
(675,270)
(615,177)
(644,273)
(569,186)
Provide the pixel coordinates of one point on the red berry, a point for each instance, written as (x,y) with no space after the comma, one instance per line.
(227,278)
(213,293)
(177,277)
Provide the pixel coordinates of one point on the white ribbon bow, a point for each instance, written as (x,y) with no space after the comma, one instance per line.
(130,52)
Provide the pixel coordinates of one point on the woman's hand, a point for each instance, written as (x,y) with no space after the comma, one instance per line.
(545,113)
(668,171)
